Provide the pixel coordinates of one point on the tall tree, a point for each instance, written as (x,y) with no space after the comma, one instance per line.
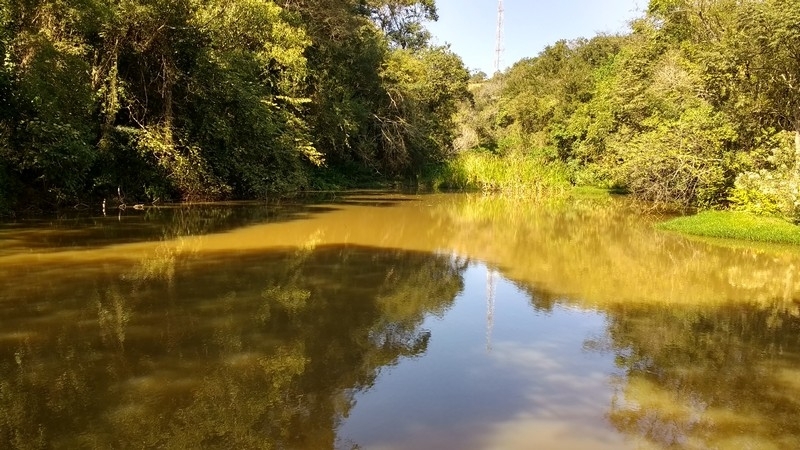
(49,131)
(767,44)
(402,21)
(423,91)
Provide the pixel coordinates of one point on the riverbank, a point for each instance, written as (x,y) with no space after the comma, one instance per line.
(735,225)
(516,173)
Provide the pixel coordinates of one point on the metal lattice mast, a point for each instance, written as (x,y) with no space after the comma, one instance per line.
(498,50)
(491,275)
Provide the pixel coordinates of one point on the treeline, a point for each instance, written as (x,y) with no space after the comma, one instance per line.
(699,105)
(148,100)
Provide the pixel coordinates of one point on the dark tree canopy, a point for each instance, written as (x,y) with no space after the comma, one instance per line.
(142,100)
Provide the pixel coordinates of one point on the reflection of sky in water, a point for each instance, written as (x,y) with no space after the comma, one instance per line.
(536,387)
(296,309)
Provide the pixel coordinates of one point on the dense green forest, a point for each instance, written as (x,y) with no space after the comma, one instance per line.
(699,105)
(148,100)
(145,101)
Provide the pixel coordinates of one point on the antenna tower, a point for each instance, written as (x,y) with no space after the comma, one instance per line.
(491,275)
(498,50)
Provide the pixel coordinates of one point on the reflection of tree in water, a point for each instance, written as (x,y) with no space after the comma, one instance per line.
(724,377)
(238,351)
(541,300)
(602,251)
(76,229)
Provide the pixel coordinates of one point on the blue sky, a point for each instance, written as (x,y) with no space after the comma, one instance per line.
(470,26)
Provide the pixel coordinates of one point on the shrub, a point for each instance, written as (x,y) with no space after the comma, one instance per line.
(772,186)
(680,162)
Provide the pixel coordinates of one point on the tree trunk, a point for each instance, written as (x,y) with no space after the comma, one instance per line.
(797,148)
(796,123)
(169,83)
(111,101)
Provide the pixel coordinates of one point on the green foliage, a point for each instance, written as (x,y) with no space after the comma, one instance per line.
(770,185)
(253,135)
(401,21)
(346,94)
(546,96)
(681,161)
(216,99)
(129,173)
(4,190)
(682,110)
(48,89)
(515,173)
(736,225)
(477,117)
(245,98)
(540,108)
(423,89)
(765,40)
(183,165)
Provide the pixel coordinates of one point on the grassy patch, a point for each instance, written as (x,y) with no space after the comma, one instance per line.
(510,174)
(590,192)
(735,225)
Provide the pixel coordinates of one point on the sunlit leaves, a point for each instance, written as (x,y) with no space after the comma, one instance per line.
(423,89)
(402,21)
(259,29)
(192,99)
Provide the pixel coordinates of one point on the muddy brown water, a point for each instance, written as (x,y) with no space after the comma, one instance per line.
(393,321)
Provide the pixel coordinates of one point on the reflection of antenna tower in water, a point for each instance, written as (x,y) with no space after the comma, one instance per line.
(498,49)
(491,275)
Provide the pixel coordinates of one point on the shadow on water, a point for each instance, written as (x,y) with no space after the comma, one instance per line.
(77,230)
(247,351)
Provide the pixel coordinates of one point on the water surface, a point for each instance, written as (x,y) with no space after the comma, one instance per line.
(390,321)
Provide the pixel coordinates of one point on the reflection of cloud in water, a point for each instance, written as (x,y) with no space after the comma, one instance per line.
(528,431)
(560,406)
(526,357)
(563,402)
(536,388)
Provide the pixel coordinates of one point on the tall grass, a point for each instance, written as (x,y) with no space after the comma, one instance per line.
(515,173)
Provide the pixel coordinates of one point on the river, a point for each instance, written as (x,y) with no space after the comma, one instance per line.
(371,320)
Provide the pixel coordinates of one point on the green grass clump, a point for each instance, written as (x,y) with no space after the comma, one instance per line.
(735,225)
(514,173)
(590,192)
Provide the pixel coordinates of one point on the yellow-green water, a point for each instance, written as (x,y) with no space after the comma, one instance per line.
(389,321)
